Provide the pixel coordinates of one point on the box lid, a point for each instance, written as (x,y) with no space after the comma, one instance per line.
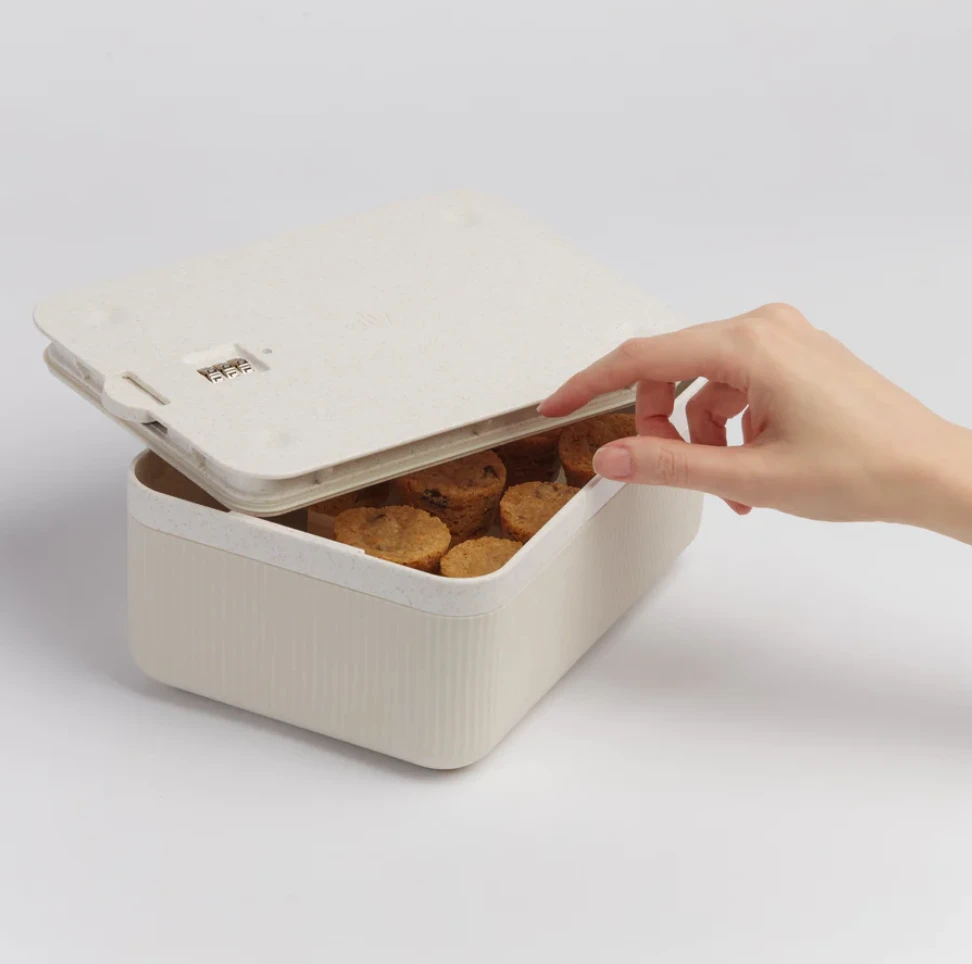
(288,371)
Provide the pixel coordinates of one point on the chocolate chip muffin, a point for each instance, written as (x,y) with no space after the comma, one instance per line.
(464,494)
(531,459)
(320,516)
(526,508)
(397,533)
(579,442)
(477,557)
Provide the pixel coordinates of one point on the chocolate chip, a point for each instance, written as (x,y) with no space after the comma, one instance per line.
(489,470)
(436,498)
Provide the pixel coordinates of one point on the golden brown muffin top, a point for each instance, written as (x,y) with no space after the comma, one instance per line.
(527,507)
(483,473)
(397,533)
(580,441)
(477,557)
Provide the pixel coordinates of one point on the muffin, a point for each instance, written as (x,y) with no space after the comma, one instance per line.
(477,557)
(320,516)
(531,459)
(370,497)
(464,494)
(526,508)
(579,442)
(397,533)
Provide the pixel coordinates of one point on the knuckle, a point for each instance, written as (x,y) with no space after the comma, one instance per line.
(779,312)
(631,348)
(695,406)
(765,332)
(746,333)
(671,467)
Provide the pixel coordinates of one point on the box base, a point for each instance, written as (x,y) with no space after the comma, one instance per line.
(438,691)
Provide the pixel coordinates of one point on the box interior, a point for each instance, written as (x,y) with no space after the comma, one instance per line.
(156,474)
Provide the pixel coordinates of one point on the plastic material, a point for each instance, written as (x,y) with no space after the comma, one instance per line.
(404,679)
(347,566)
(407,336)
(285,372)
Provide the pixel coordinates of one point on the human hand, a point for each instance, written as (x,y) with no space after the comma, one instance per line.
(825,436)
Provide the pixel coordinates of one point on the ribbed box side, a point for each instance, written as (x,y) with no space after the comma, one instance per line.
(396,680)
(435,690)
(620,554)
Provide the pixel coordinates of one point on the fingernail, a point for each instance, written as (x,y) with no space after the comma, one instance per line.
(541,406)
(613,462)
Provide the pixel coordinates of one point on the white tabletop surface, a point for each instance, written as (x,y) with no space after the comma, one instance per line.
(768,760)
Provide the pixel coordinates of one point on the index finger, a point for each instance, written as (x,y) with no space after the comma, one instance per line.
(699,351)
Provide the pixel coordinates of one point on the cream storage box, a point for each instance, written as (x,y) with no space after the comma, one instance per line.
(270,377)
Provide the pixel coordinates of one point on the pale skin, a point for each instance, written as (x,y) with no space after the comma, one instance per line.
(824,435)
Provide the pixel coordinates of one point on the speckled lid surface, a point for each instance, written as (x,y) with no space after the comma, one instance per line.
(376,344)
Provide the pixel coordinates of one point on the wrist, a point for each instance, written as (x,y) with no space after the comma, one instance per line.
(938,484)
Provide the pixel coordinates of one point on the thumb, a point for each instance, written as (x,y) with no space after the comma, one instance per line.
(734,473)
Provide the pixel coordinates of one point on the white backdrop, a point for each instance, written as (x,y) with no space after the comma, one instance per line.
(770,759)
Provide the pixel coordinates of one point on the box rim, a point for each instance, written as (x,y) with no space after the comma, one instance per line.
(266,541)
